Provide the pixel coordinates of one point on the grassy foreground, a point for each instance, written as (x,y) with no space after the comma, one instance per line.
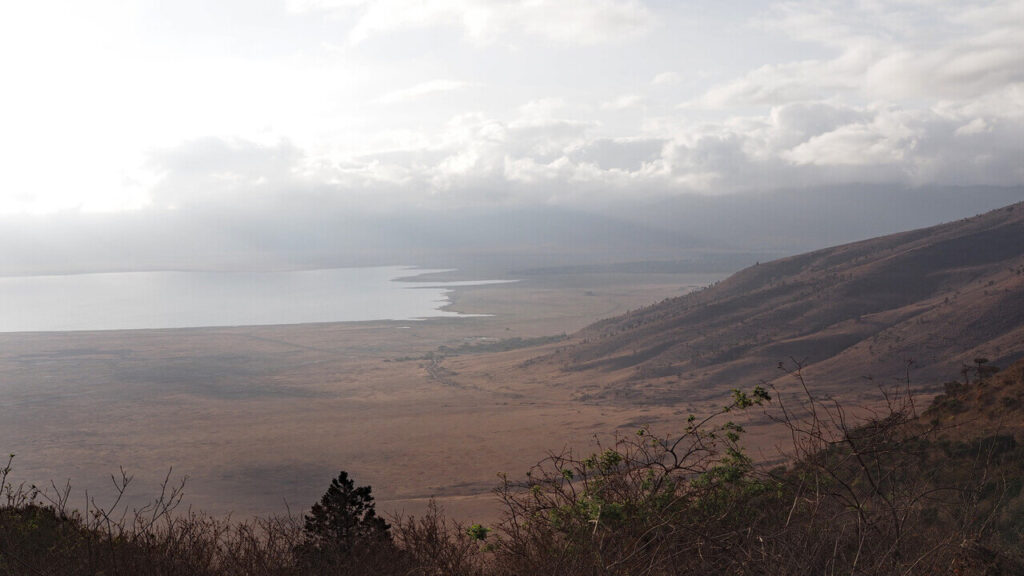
(901,491)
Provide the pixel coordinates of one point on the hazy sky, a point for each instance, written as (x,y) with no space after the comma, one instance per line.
(110,105)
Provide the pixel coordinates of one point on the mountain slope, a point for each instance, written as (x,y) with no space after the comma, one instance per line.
(937,296)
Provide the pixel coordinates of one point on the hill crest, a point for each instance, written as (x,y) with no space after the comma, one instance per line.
(929,298)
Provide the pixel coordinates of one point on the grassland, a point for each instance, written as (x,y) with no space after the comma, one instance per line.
(260,418)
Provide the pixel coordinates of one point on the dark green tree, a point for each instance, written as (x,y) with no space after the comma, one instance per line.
(344,521)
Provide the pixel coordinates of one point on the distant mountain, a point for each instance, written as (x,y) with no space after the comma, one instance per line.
(720,232)
(797,220)
(491,240)
(937,296)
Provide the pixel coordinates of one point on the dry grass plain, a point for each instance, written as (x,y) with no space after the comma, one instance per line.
(261,418)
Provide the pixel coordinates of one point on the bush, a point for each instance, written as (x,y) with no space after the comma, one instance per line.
(887,496)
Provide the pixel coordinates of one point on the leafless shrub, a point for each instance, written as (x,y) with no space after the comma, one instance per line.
(874,496)
(884,495)
(439,546)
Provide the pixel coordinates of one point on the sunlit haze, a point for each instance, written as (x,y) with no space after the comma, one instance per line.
(114,105)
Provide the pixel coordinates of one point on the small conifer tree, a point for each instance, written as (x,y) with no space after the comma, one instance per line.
(344,520)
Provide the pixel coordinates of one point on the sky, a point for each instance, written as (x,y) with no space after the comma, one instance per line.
(117,106)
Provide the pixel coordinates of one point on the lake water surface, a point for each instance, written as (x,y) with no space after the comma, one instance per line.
(137,300)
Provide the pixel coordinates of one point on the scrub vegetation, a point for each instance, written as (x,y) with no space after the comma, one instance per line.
(898,491)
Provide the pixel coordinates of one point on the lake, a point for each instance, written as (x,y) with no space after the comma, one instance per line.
(146,300)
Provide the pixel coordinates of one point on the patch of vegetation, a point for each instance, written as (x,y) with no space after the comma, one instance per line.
(503,345)
(894,494)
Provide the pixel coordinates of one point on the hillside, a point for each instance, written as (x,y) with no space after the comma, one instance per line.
(937,296)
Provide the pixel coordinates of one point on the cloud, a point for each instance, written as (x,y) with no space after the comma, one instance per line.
(624,102)
(582,21)
(1005,103)
(666,79)
(893,52)
(966,69)
(540,110)
(792,124)
(484,22)
(321,5)
(777,84)
(976,126)
(422,89)
(885,139)
(231,172)
(909,93)
(542,157)
(627,155)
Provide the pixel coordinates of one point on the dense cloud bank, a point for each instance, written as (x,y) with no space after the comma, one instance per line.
(901,94)
(451,103)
